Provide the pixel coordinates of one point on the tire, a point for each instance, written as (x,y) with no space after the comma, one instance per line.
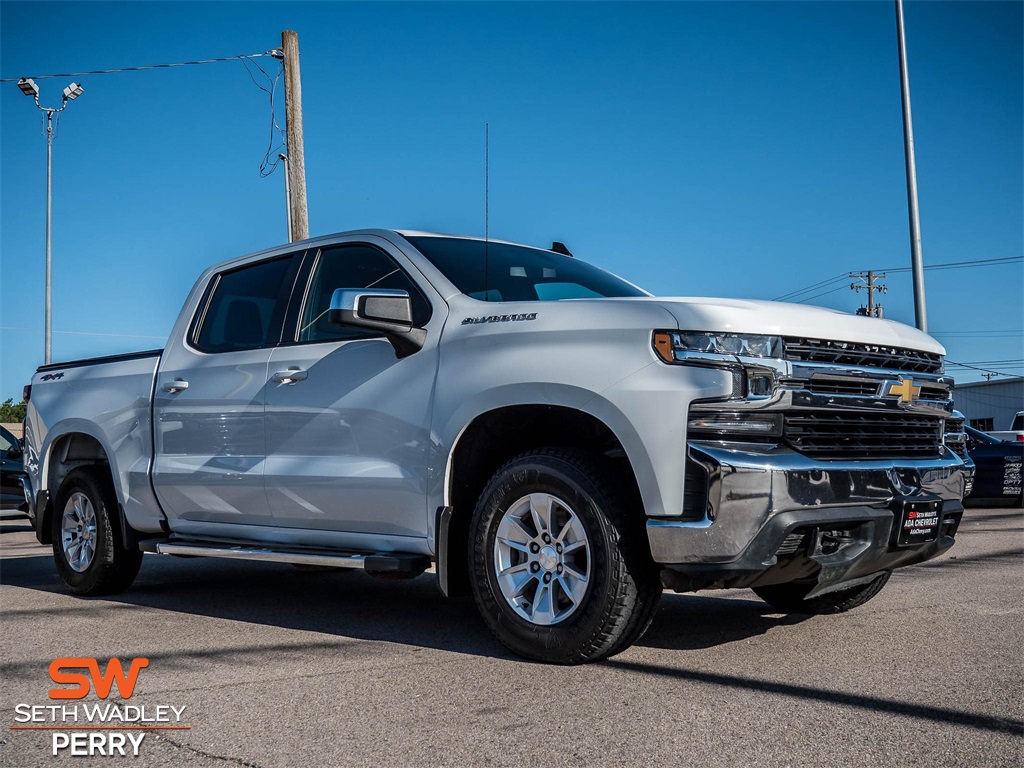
(789,598)
(566,620)
(87,496)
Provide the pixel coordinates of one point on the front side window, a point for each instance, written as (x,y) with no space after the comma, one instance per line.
(503,272)
(353,266)
(246,308)
(6,441)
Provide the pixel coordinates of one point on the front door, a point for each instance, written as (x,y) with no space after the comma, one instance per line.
(209,402)
(348,433)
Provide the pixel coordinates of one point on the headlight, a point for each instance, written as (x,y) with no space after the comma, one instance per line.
(668,343)
(723,423)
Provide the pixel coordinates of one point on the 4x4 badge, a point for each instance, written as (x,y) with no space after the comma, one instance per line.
(905,389)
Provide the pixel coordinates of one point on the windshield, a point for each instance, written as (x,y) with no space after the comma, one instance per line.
(518,273)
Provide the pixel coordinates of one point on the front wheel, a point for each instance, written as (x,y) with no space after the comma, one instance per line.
(561,570)
(790,598)
(87,547)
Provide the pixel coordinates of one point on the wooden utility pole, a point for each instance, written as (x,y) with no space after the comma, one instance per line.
(296,165)
(873,310)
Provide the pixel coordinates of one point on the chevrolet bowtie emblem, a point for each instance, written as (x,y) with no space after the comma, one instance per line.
(905,389)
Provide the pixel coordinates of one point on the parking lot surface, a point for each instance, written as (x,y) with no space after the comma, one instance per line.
(282,667)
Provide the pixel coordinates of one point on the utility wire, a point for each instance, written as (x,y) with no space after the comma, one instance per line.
(277,141)
(825,293)
(961,264)
(139,69)
(949,265)
(976,368)
(840,276)
(84,333)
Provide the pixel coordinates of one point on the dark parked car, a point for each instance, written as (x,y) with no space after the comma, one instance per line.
(12,469)
(998,467)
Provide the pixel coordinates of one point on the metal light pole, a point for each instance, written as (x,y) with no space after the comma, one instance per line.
(917,260)
(287,195)
(72,92)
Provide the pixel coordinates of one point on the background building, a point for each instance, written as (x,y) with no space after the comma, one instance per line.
(990,405)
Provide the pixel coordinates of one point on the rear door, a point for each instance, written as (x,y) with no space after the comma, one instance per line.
(209,401)
(348,438)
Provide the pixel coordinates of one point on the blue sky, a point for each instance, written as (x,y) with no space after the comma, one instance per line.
(715,149)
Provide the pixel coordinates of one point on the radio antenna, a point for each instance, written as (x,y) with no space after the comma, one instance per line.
(487,207)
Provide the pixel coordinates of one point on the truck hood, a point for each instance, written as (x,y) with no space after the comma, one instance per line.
(778,318)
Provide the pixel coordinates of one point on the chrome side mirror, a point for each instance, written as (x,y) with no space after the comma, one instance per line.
(385,310)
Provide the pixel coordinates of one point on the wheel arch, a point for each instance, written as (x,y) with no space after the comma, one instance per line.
(476,455)
(69,449)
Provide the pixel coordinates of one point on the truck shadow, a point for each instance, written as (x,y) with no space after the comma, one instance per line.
(354,605)
(694,622)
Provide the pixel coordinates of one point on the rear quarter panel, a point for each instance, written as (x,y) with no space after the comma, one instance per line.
(111,403)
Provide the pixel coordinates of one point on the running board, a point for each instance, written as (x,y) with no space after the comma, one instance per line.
(389,562)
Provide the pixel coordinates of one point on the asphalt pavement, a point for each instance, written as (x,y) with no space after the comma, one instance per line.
(277,666)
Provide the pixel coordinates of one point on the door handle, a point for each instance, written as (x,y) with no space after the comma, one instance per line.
(176,386)
(290,376)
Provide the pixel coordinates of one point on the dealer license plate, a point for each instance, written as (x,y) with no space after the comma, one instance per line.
(919,522)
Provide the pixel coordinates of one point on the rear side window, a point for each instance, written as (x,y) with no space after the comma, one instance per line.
(354,266)
(246,308)
(1018,422)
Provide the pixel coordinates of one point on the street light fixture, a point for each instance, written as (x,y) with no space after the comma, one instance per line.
(28,86)
(72,92)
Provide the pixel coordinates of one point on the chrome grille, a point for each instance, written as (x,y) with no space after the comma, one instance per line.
(862,387)
(865,355)
(863,435)
(956,438)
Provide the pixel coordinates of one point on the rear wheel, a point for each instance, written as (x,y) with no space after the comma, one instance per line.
(791,598)
(87,544)
(561,571)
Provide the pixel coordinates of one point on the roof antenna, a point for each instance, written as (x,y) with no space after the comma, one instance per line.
(487,207)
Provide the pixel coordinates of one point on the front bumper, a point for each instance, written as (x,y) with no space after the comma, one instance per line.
(773,515)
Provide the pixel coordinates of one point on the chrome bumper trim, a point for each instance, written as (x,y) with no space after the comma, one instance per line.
(751,484)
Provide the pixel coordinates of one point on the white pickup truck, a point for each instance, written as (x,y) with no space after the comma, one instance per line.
(1016,432)
(549,437)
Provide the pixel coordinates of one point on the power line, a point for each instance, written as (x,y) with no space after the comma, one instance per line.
(840,276)
(982,398)
(948,265)
(963,264)
(139,69)
(277,139)
(974,367)
(84,333)
(825,293)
